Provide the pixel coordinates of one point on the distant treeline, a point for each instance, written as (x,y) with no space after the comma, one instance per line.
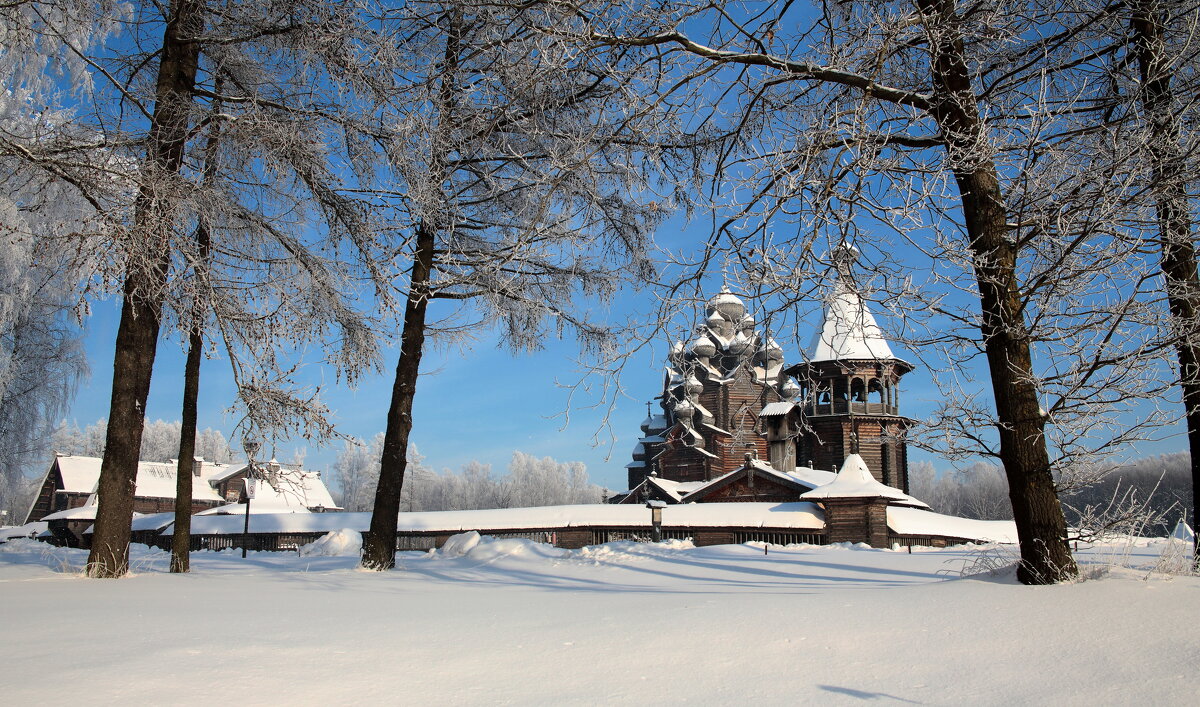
(1162,483)
(530,481)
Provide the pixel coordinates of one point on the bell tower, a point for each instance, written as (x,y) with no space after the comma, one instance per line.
(850,395)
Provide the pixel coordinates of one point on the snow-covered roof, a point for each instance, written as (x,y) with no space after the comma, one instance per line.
(29,530)
(79,474)
(774,409)
(675,489)
(294,491)
(759,466)
(849,330)
(158,480)
(154,479)
(812,477)
(227,472)
(84,512)
(917,521)
(855,481)
(738,515)
(153,521)
(654,423)
(239,509)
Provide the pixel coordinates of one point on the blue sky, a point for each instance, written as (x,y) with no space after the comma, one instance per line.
(481,403)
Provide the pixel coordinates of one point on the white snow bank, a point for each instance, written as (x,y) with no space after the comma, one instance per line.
(459,545)
(339,543)
(561,631)
(492,549)
(915,521)
(482,548)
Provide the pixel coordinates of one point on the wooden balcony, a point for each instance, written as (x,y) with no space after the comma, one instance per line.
(850,408)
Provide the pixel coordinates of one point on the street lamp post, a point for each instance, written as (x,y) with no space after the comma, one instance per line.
(251,445)
(656,509)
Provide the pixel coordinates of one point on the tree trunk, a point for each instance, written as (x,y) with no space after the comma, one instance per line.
(1041,527)
(1170,176)
(137,335)
(181,537)
(379,545)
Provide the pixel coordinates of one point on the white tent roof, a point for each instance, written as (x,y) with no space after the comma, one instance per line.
(849,330)
(855,481)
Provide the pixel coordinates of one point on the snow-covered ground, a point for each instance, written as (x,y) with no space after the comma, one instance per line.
(510,622)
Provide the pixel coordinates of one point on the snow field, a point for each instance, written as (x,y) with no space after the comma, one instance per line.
(489,621)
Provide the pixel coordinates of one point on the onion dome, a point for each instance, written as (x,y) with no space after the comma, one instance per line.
(739,345)
(684,411)
(692,386)
(746,325)
(789,390)
(676,355)
(773,350)
(704,346)
(716,323)
(727,304)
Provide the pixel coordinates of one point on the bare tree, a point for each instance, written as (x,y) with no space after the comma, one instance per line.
(356,470)
(981,136)
(54,186)
(286,223)
(530,481)
(518,198)
(1163,39)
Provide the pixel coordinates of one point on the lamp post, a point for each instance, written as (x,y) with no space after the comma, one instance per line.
(251,445)
(656,509)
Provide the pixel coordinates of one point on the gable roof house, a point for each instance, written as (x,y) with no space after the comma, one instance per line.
(67,498)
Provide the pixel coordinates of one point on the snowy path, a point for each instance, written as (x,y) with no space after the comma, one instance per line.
(512,623)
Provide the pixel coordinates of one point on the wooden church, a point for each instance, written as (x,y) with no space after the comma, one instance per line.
(738,423)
